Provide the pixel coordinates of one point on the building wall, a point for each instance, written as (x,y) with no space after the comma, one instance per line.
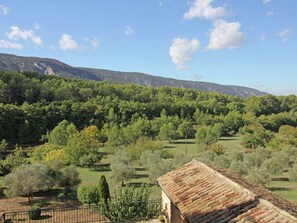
(172,213)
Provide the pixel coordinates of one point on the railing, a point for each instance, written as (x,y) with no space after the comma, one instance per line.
(65,215)
(92,214)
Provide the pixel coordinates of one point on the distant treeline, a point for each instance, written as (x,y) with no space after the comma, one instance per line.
(33,104)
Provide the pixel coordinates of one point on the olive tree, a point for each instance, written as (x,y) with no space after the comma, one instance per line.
(26,180)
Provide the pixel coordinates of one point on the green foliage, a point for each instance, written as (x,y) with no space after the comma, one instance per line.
(34,212)
(40,153)
(26,180)
(167,132)
(83,146)
(259,176)
(121,168)
(3,146)
(143,144)
(88,194)
(14,160)
(218,149)
(62,133)
(32,105)
(222,161)
(289,134)
(185,129)
(129,204)
(255,159)
(103,190)
(180,159)
(66,177)
(207,135)
(155,164)
(293,173)
(255,136)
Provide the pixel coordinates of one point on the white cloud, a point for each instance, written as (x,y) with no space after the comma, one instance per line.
(203,9)
(9,45)
(284,34)
(36,26)
(16,33)
(67,43)
(128,31)
(94,42)
(182,50)
(270,13)
(225,35)
(266,2)
(4,9)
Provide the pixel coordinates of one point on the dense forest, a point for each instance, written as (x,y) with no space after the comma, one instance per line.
(33,104)
(51,125)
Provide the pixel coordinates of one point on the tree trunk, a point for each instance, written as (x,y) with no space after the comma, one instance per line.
(29,198)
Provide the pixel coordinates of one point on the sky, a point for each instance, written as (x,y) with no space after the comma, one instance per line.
(249,43)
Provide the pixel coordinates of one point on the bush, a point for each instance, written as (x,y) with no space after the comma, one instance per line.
(34,212)
(131,204)
(88,195)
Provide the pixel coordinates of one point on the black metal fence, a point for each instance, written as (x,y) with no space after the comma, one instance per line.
(80,214)
(65,215)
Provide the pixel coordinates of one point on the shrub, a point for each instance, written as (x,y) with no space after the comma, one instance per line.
(34,212)
(130,204)
(103,190)
(88,195)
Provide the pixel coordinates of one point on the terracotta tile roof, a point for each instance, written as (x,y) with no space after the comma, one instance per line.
(203,194)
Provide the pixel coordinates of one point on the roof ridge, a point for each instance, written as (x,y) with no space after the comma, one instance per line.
(262,196)
(232,182)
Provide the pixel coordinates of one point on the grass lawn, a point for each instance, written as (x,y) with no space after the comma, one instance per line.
(91,176)
(284,188)
(189,146)
(280,186)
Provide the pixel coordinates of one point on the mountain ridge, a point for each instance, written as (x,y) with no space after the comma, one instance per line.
(49,66)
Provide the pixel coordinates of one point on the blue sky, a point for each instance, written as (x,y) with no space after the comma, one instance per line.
(250,43)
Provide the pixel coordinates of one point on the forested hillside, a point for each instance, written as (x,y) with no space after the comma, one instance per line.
(46,66)
(31,105)
(129,132)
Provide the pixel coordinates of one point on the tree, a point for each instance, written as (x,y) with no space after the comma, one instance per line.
(293,173)
(67,177)
(88,195)
(83,143)
(103,190)
(167,132)
(155,164)
(255,136)
(40,152)
(15,159)
(62,133)
(207,135)
(26,180)
(185,129)
(121,168)
(259,176)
